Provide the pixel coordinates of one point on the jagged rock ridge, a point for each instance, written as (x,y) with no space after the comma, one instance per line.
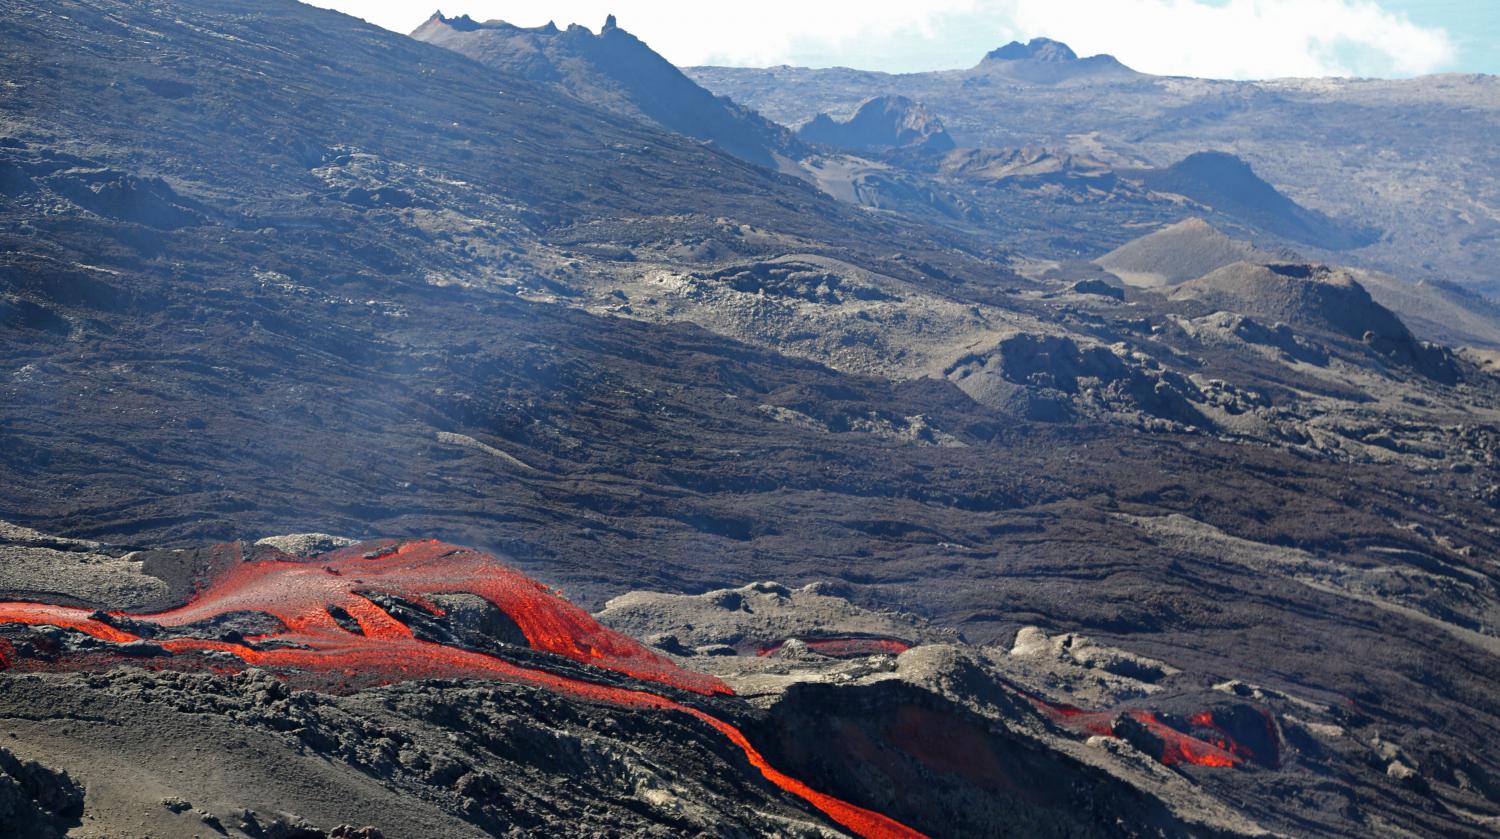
(616,71)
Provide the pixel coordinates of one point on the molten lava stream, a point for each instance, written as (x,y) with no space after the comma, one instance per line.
(301,594)
(1176,747)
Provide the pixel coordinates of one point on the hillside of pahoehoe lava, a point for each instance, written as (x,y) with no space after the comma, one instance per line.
(885,522)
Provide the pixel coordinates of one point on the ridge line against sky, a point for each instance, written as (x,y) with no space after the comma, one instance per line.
(1239,39)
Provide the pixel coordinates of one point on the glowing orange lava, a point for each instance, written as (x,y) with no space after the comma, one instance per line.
(1181,748)
(1176,747)
(301,594)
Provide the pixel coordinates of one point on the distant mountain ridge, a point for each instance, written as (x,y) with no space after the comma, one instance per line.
(1411,158)
(616,71)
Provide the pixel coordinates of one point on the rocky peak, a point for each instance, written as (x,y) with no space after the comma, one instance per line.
(1045,61)
(462,23)
(1037,49)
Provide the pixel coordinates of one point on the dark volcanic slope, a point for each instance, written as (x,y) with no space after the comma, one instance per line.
(265,269)
(249,124)
(1228,184)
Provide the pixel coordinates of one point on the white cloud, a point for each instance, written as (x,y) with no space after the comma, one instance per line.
(1218,38)
(1241,38)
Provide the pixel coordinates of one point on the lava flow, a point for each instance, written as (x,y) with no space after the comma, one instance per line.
(305,595)
(1169,745)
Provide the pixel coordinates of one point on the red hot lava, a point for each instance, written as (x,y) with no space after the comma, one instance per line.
(302,593)
(1171,746)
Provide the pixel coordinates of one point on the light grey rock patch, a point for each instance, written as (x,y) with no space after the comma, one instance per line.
(1092,672)
(15,534)
(468,442)
(94,578)
(760,612)
(306,544)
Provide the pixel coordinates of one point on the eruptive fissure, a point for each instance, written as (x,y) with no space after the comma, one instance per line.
(316,599)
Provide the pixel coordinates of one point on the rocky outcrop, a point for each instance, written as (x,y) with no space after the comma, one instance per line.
(1027,167)
(305,544)
(1037,49)
(36,801)
(1052,378)
(881,124)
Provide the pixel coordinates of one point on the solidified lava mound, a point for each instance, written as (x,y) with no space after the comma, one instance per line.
(331,624)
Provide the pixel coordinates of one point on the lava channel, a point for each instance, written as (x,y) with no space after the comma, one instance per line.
(302,592)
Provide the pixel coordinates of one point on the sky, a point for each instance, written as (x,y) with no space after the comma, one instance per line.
(1237,39)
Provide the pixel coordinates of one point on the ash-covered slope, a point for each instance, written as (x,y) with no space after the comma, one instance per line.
(615,71)
(1177,253)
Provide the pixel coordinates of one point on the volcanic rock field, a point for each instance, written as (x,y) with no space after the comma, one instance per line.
(501,432)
